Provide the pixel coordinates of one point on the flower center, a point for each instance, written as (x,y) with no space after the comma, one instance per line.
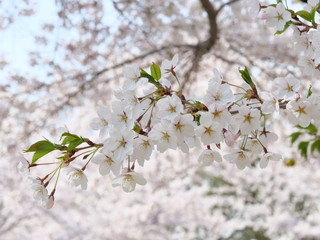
(208,131)
(247,118)
(165,136)
(172,109)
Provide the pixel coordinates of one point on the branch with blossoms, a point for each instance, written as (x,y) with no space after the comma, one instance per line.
(151,112)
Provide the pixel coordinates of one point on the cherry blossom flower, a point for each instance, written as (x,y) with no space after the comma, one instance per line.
(183,126)
(238,157)
(277,16)
(164,136)
(143,148)
(170,107)
(128,181)
(122,115)
(219,114)
(300,112)
(120,143)
(209,131)
(208,156)
(270,104)
(217,77)
(102,122)
(23,167)
(76,177)
(248,119)
(218,94)
(50,202)
(287,87)
(253,145)
(266,137)
(132,74)
(267,157)
(167,66)
(107,164)
(132,102)
(40,193)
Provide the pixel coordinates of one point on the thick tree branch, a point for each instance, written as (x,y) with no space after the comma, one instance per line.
(203,47)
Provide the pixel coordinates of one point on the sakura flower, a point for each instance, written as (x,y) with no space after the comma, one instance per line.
(183,125)
(239,158)
(76,177)
(120,143)
(220,114)
(164,136)
(209,131)
(170,107)
(217,77)
(165,83)
(50,202)
(167,66)
(208,156)
(218,94)
(23,167)
(132,74)
(248,119)
(277,16)
(132,102)
(266,137)
(143,148)
(300,112)
(253,145)
(267,157)
(121,115)
(270,104)
(302,42)
(307,62)
(40,193)
(102,122)
(287,87)
(230,138)
(107,164)
(128,181)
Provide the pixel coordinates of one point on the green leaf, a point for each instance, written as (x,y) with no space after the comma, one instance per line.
(315,145)
(155,71)
(305,15)
(303,148)
(294,136)
(74,144)
(247,78)
(40,149)
(309,91)
(151,79)
(286,26)
(313,12)
(197,119)
(71,140)
(312,129)
(68,137)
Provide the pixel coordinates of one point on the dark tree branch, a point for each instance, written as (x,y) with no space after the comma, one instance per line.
(204,47)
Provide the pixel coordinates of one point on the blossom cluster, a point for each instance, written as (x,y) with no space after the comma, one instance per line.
(151,113)
(306,37)
(229,118)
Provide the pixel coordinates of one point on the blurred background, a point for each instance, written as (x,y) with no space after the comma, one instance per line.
(60,59)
